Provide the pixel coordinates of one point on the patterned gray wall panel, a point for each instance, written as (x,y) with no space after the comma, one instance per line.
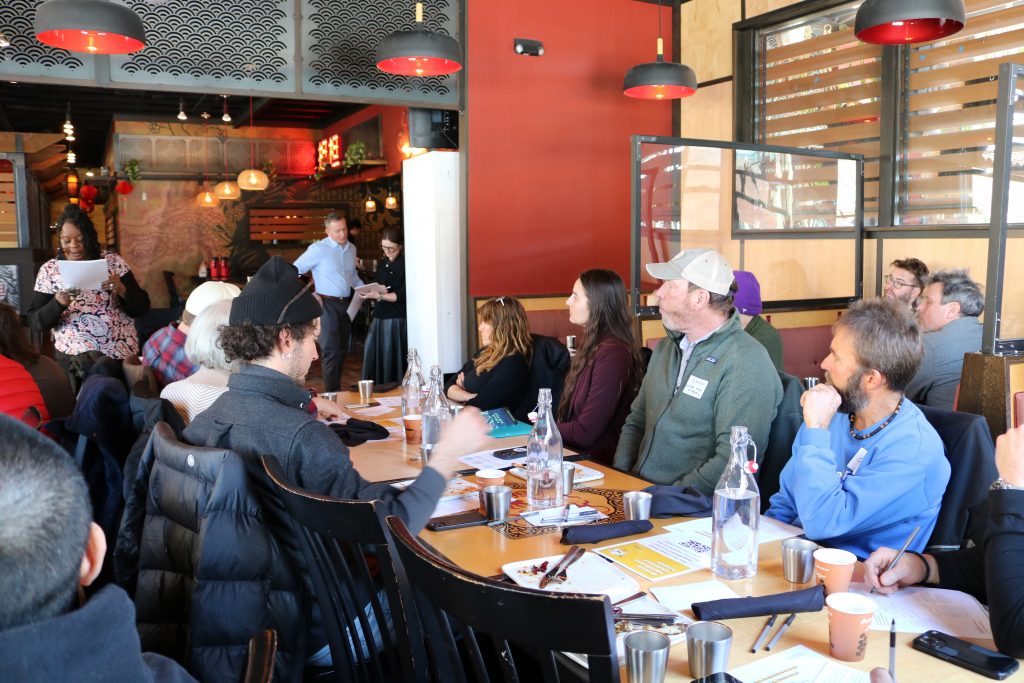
(340,44)
(26,56)
(183,154)
(217,43)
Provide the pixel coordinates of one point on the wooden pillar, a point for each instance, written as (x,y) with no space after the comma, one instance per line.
(985,389)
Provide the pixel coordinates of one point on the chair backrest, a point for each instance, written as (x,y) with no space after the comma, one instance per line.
(804,348)
(475,628)
(1018,409)
(971,453)
(357,582)
(780,440)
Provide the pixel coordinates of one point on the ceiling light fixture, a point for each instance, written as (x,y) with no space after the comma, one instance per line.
(73,183)
(69,128)
(660,80)
(370,205)
(227,189)
(182,116)
(206,198)
(885,22)
(391,202)
(72,159)
(99,27)
(226,118)
(419,52)
(252,178)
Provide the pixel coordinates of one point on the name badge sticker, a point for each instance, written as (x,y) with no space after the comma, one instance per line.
(855,462)
(711,359)
(695,387)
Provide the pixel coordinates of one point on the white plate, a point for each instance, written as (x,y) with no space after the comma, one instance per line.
(582,475)
(644,605)
(590,574)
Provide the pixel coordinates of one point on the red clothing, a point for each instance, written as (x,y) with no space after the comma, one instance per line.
(600,401)
(19,393)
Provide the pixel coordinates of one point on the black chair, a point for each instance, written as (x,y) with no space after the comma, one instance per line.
(259,667)
(971,453)
(350,561)
(788,418)
(476,628)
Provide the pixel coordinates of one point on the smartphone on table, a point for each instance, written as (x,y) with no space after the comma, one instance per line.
(510,453)
(457,521)
(976,658)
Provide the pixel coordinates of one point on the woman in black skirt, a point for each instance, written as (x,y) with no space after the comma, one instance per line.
(384,355)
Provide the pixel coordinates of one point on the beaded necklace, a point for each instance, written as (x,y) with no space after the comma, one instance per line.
(862,437)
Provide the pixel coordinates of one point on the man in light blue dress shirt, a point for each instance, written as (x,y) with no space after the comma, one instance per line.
(332,261)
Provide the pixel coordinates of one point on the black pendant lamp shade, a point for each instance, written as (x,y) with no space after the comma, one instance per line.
(419,52)
(90,26)
(897,22)
(660,80)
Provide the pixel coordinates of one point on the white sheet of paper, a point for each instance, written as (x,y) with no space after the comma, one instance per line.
(393,401)
(679,598)
(768,529)
(798,664)
(354,306)
(372,288)
(370,412)
(553,516)
(485,460)
(919,608)
(83,274)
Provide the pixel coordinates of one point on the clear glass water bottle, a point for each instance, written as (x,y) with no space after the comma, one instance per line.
(413,388)
(736,512)
(436,414)
(544,458)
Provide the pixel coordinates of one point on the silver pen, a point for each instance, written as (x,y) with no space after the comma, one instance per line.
(764,632)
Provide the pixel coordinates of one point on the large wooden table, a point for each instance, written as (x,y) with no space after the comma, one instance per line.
(483,551)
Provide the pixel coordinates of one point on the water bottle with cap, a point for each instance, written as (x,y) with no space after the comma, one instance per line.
(544,458)
(736,512)
(436,414)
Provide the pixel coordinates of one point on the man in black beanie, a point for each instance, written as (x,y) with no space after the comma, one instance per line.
(272,329)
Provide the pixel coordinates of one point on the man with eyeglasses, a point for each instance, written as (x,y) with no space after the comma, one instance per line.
(905,281)
(332,261)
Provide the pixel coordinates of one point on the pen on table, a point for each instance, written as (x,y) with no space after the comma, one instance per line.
(764,632)
(565,514)
(892,651)
(778,634)
(910,539)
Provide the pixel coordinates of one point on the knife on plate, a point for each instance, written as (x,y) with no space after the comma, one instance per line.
(546,579)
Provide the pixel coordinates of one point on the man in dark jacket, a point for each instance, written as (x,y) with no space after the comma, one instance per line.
(51,548)
(273,329)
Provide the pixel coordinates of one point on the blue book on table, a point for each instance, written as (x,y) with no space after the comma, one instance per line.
(503,424)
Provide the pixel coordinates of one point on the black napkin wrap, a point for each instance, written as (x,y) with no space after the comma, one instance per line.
(807,600)
(676,501)
(575,535)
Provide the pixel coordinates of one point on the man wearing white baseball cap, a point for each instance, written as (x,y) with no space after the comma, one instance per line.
(164,351)
(705,377)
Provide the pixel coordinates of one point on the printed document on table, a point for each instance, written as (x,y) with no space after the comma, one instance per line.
(485,460)
(681,598)
(918,609)
(798,665)
(768,529)
(83,274)
(662,556)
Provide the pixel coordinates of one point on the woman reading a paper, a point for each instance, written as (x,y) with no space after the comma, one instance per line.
(386,348)
(95,317)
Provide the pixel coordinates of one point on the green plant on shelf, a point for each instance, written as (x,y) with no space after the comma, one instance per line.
(355,155)
(132,170)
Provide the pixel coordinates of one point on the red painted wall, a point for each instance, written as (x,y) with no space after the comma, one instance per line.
(548,153)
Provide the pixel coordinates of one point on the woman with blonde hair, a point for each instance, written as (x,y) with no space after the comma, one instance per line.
(499,374)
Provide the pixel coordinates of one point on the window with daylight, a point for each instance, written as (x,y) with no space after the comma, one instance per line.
(923,115)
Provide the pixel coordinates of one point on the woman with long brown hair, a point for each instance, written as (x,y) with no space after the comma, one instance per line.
(605,372)
(499,374)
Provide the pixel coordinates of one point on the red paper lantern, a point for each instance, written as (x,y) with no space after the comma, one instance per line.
(88,193)
(86,205)
(124,187)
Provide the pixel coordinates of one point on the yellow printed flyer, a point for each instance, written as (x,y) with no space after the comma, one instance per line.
(659,557)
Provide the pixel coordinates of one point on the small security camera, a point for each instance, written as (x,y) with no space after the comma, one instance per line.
(525,46)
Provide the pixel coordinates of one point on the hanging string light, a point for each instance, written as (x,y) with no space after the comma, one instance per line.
(69,128)
(226,116)
(252,178)
(206,198)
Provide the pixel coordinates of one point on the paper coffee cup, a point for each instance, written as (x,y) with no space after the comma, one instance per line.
(413,429)
(833,568)
(849,621)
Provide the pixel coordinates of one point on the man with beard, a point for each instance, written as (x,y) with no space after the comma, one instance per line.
(866,467)
(705,377)
(905,281)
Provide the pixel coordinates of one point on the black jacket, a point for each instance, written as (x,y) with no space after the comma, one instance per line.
(96,643)
(548,365)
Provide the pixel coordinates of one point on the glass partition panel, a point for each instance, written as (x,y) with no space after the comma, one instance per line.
(793,217)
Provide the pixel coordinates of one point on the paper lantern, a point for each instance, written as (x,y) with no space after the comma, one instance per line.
(88,193)
(124,187)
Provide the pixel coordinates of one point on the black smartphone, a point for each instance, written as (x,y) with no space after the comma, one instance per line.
(457,521)
(720,677)
(510,453)
(972,657)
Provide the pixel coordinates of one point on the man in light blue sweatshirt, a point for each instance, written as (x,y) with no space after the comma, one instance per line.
(866,466)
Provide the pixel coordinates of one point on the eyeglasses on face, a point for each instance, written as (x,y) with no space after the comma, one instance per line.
(897,284)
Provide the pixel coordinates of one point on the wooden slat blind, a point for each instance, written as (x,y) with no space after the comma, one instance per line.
(820,88)
(946,170)
(8,215)
(286,224)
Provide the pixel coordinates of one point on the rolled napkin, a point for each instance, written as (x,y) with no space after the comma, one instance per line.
(356,432)
(678,501)
(575,535)
(807,600)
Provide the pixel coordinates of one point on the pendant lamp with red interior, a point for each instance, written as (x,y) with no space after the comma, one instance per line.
(660,80)
(252,178)
(899,22)
(98,27)
(419,52)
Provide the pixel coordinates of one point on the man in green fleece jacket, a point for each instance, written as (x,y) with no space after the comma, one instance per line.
(704,377)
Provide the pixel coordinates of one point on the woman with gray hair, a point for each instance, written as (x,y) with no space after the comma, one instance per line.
(197,392)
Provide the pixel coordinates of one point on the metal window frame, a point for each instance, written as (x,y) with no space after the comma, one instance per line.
(856,233)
